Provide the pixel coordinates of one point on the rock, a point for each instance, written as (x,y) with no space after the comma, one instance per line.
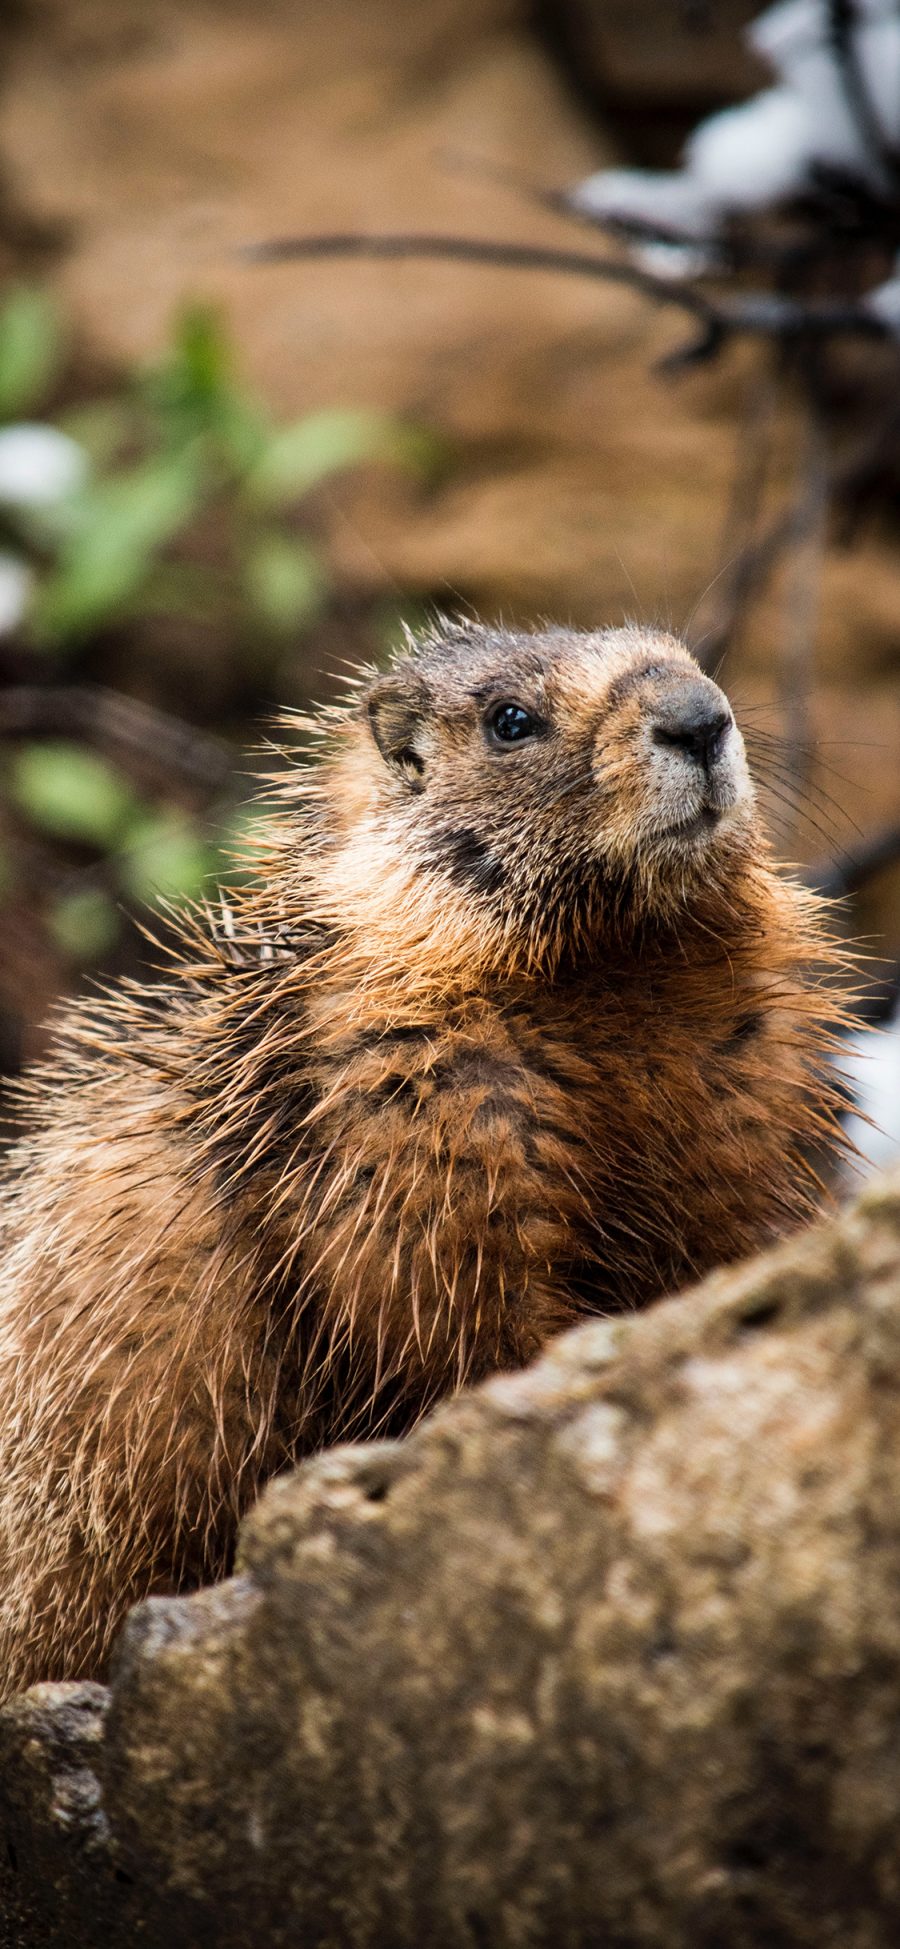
(55,1857)
(607,1652)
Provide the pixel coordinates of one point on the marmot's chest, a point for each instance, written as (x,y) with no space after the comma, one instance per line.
(654,1140)
(683,1121)
(639,1061)
(626,1080)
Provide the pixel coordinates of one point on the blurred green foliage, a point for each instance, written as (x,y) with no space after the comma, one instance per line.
(184,439)
(190,505)
(30,347)
(72,793)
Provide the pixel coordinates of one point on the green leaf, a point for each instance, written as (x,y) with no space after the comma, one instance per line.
(166,859)
(193,394)
(285,582)
(299,457)
(29,348)
(194,372)
(241,431)
(114,533)
(84,925)
(72,793)
(201,353)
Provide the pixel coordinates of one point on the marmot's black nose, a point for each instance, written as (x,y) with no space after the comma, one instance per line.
(696,720)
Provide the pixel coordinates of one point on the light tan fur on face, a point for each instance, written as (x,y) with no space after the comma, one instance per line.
(486,1045)
(644,791)
(600,798)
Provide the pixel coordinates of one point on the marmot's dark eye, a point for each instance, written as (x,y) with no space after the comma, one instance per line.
(509,723)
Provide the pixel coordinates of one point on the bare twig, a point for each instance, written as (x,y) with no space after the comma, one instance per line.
(866,468)
(843,18)
(854,868)
(803,597)
(738,548)
(163,745)
(750,572)
(759,314)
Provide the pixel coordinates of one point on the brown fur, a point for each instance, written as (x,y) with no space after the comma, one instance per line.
(485,1046)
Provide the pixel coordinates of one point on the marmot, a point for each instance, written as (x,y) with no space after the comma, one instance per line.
(517,1021)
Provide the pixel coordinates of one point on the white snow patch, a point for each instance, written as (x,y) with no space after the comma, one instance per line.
(747,157)
(39,466)
(885,301)
(766,149)
(870,1062)
(667,198)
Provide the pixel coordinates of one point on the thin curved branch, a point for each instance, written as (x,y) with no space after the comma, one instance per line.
(757,314)
(851,870)
(162,744)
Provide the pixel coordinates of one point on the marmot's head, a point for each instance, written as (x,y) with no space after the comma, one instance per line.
(544,786)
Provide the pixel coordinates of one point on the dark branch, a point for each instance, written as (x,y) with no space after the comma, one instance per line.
(842,22)
(480,250)
(749,572)
(857,866)
(161,745)
(758,314)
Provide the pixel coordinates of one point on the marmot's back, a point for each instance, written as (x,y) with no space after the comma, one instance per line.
(516,1022)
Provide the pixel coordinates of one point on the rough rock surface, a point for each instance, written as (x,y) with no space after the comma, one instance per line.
(609,1652)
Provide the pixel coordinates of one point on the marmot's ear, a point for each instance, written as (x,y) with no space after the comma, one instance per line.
(397,710)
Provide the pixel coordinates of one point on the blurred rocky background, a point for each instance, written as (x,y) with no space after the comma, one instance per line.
(221,479)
